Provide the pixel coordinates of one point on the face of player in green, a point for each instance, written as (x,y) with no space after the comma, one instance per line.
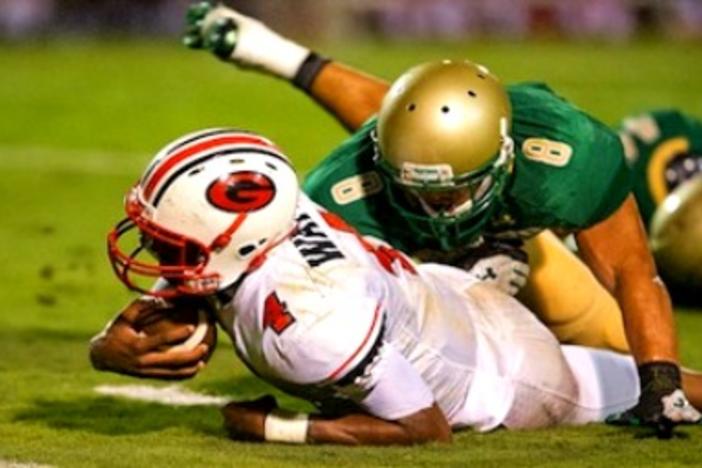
(453,216)
(449,202)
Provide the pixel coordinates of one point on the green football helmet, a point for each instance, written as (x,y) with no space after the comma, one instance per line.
(676,236)
(442,139)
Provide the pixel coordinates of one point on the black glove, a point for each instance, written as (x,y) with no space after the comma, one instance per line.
(662,404)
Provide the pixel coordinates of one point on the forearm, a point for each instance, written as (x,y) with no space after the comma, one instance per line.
(617,252)
(261,420)
(362,429)
(351,96)
(648,317)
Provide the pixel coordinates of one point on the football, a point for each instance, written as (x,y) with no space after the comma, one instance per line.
(166,316)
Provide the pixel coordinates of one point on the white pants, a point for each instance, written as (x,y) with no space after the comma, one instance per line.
(586,386)
(523,377)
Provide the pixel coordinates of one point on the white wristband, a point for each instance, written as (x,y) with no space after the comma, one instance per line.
(286,426)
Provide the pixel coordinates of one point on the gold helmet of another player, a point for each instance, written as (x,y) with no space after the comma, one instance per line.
(442,136)
(676,235)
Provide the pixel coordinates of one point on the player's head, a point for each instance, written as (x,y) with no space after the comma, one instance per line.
(443,138)
(207,205)
(676,236)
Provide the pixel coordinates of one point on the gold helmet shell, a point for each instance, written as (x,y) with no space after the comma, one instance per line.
(442,140)
(676,235)
(443,119)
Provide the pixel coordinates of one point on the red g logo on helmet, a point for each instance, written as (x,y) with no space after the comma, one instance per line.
(241,192)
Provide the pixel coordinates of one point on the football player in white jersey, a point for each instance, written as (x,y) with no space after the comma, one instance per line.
(390,352)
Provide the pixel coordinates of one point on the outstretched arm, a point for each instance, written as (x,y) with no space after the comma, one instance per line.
(260,420)
(349,95)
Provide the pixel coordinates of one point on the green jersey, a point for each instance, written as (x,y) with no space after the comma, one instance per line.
(664,148)
(569,173)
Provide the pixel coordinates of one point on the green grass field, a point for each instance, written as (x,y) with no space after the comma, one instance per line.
(78,122)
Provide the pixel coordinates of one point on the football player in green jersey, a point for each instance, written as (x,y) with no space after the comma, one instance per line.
(453,157)
(664,148)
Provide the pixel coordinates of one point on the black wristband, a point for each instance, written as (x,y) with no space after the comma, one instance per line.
(660,376)
(309,70)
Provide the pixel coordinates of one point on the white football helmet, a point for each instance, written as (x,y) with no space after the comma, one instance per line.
(208,205)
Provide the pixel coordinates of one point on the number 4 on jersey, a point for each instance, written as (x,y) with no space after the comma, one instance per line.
(276,315)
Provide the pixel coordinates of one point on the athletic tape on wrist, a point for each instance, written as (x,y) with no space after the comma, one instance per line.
(661,374)
(309,70)
(286,426)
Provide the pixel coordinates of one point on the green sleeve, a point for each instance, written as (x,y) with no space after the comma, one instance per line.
(347,183)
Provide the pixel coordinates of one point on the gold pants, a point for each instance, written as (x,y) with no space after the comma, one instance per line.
(568,299)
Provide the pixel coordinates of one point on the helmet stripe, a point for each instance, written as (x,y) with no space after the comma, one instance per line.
(186,167)
(185,140)
(195,149)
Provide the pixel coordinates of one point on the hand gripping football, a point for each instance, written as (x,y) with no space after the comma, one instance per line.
(164,317)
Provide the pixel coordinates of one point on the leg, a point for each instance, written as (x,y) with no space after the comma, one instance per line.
(692,386)
(608,383)
(568,299)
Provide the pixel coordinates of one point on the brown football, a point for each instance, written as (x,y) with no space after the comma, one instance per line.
(156,320)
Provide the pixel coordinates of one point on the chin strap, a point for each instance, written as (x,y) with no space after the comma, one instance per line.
(223,240)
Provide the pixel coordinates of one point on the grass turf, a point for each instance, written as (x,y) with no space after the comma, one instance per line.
(80,119)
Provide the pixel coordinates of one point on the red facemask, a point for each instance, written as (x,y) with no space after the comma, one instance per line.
(179,260)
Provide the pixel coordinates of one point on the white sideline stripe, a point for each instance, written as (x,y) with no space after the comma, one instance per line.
(11,464)
(173,395)
(82,161)
(87,161)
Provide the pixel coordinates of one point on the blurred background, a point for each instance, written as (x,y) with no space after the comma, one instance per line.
(446,19)
(90,90)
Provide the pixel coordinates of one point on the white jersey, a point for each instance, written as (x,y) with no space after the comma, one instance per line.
(339,319)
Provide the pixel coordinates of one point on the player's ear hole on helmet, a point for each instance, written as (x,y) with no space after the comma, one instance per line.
(246,250)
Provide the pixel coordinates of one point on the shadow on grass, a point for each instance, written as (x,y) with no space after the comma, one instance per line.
(120,416)
(250,387)
(111,416)
(37,334)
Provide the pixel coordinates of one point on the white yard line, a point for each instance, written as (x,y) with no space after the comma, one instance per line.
(173,395)
(88,161)
(12,464)
(77,160)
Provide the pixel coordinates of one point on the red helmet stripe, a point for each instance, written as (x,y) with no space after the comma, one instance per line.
(197,148)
